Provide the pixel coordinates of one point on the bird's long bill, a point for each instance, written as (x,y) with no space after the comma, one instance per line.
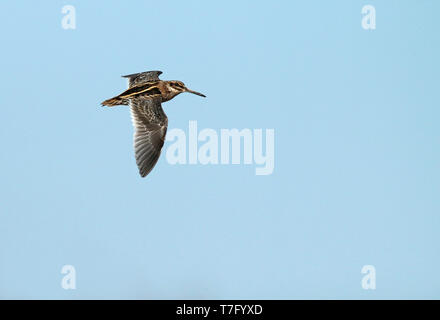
(195,92)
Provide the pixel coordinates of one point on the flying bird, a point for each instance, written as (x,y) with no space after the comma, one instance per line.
(145,95)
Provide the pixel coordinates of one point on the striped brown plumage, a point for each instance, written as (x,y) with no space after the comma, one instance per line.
(145,95)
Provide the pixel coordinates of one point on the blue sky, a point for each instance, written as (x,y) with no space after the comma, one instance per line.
(356,176)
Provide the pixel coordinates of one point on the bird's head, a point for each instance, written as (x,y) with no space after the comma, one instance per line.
(179,87)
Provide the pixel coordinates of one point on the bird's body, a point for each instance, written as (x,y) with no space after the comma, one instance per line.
(145,94)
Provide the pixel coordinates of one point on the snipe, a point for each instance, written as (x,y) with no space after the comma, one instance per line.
(145,95)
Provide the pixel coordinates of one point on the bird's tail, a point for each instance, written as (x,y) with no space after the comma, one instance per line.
(116,101)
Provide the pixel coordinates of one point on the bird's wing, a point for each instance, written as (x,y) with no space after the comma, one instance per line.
(142,77)
(150,122)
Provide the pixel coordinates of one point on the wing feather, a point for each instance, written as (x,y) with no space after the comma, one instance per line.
(142,77)
(150,122)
